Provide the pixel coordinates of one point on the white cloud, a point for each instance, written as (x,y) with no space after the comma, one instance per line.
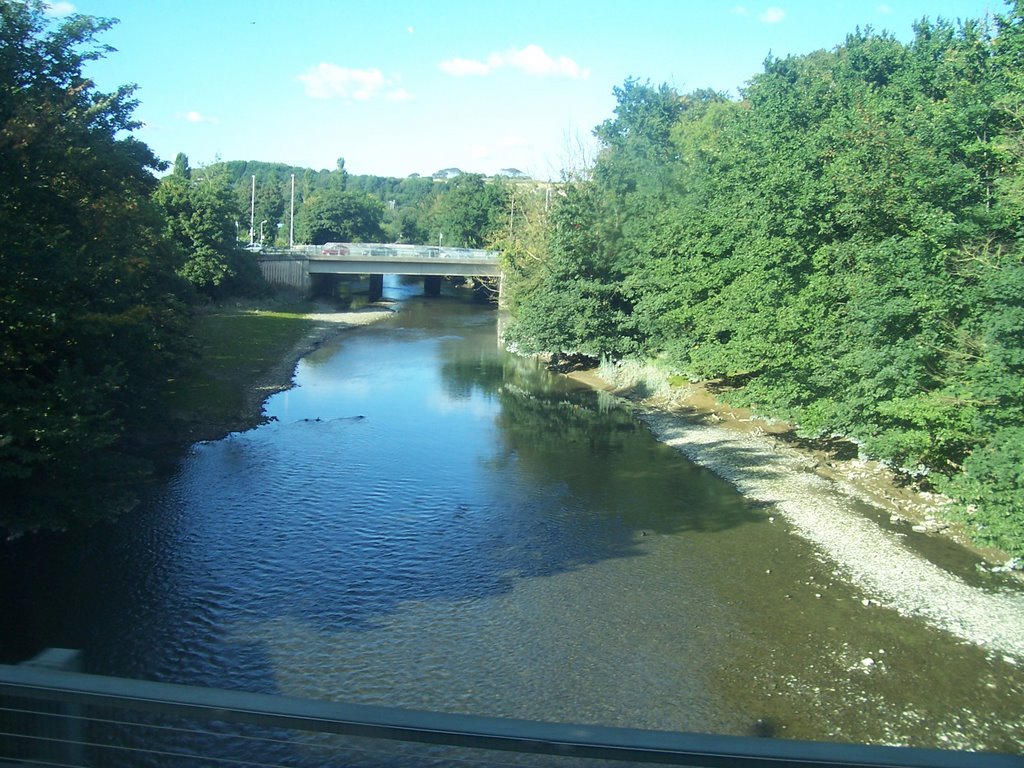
(739,10)
(410,30)
(884,9)
(198,117)
(773,15)
(533,60)
(329,81)
(59,9)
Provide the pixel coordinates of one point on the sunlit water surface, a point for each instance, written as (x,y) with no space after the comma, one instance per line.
(430,522)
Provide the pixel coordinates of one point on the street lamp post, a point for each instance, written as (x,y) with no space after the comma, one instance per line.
(252,212)
(261,230)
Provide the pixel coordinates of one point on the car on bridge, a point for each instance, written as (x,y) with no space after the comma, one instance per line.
(334,249)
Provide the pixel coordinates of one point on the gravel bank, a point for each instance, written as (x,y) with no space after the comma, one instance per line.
(351,318)
(823,511)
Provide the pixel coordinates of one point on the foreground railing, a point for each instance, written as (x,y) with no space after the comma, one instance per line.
(53,717)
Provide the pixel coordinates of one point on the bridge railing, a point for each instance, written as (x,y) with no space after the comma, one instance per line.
(385,251)
(52,717)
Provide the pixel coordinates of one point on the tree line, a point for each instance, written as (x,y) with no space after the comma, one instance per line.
(840,247)
(103,263)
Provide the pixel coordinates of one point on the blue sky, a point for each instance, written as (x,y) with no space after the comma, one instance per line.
(399,87)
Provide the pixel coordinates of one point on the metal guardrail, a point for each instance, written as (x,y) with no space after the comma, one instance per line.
(386,251)
(71,697)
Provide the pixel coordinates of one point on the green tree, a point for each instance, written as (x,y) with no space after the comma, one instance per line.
(525,244)
(181,167)
(200,214)
(331,215)
(90,326)
(636,144)
(601,229)
(990,345)
(569,301)
(468,211)
(270,209)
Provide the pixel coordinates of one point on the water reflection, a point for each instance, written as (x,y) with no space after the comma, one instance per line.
(430,522)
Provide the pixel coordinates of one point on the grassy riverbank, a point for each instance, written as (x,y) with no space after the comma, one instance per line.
(245,353)
(236,348)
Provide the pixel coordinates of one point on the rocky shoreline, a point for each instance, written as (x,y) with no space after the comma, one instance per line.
(822,498)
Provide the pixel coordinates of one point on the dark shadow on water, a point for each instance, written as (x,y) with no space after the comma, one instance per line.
(609,460)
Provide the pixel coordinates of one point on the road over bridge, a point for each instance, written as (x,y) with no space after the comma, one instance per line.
(297,267)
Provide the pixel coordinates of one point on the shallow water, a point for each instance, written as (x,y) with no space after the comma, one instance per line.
(430,522)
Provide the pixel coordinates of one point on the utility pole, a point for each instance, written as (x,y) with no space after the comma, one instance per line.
(252,213)
(291,223)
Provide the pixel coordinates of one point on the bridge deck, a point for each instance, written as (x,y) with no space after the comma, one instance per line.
(389,259)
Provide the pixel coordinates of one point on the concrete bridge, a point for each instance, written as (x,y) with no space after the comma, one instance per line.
(300,266)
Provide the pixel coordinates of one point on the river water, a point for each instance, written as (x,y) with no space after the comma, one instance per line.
(431,522)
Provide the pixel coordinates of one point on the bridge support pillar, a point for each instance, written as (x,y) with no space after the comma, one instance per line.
(376,287)
(432,285)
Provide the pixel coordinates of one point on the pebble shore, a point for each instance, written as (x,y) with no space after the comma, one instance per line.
(868,556)
(823,511)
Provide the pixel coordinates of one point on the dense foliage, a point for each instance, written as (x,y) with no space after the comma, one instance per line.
(198,211)
(90,321)
(335,215)
(468,212)
(842,245)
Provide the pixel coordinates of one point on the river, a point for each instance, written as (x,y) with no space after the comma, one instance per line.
(431,522)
